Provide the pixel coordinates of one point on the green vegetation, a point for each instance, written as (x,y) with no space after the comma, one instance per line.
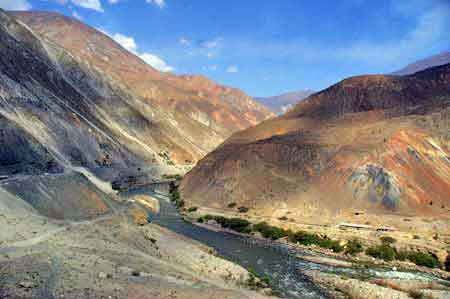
(175,177)
(270,232)
(254,281)
(386,252)
(388,240)
(383,252)
(175,195)
(307,239)
(353,247)
(232,205)
(237,224)
(423,259)
(192,209)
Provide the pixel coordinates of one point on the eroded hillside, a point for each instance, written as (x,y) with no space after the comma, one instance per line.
(379,144)
(183,117)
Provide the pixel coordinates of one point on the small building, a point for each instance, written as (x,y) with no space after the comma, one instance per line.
(386,229)
(356,226)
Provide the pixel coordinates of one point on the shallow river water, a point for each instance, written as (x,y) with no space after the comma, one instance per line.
(276,261)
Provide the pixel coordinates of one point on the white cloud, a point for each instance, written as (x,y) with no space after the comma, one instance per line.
(212,44)
(156,62)
(88,4)
(159,3)
(130,44)
(185,42)
(15,4)
(232,69)
(125,41)
(77,16)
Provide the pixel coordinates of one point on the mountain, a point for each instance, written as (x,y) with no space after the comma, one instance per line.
(435,60)
(79,110)
(67,130)
(180,117)
(282,103)
(378,143)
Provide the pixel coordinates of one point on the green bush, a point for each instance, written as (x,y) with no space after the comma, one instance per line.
(192,209)
(388,240)
(305,238)
(236,224)
(423,259)
(383,251)
(232,205)
(330,244)
(271,232)
(353,247)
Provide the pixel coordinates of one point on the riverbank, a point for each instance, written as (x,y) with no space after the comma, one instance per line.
(399,283)
(118,256)
(328,257)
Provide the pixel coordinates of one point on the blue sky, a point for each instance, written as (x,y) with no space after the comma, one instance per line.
(267,47)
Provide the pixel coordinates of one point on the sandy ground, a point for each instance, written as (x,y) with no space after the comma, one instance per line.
(343,287)
(431,235)
(115,258)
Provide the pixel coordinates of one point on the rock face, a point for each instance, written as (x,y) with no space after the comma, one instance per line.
(185,116)
(78,112)
(282,103)
(374,143)
(435,60)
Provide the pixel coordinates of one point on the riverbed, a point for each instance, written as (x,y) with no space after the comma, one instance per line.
(280,263)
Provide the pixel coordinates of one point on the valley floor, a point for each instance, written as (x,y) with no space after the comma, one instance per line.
(111,257)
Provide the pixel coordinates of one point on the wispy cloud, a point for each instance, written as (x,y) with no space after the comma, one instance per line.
(433,23)
(232,69)
(15,5)
(126,41)
(431,26)
(156,62)
(129,43)
(185,42)
(160,3)
(89,4)
(211,44)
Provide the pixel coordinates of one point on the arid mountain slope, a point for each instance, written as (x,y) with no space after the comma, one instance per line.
(190,115)
(282,103)
(435,60)
(376,143)
(77,114)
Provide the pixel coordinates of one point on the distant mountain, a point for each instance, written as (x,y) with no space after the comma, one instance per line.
(281,103)
(435,60)
(378,143)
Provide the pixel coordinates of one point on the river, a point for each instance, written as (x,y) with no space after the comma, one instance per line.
(278,262)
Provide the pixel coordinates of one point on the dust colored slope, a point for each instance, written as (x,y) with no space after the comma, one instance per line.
(189,115)
(374,143)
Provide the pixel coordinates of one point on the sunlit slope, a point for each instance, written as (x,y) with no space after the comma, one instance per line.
(377,143)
